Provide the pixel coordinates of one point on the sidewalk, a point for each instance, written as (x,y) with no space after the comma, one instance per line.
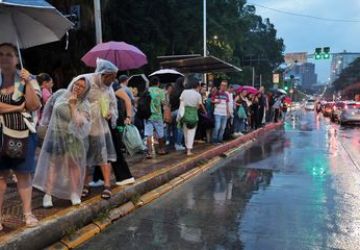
(150,174)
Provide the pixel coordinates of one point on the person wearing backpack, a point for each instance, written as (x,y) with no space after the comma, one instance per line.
(155,120)
(191,101)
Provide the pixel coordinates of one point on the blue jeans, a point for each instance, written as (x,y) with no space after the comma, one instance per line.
(239,124)
(177,135)
(220,125)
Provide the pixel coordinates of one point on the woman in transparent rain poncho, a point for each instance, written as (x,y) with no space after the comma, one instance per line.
(62,162)
(103,108)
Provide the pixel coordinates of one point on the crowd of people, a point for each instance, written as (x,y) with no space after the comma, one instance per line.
(84,123)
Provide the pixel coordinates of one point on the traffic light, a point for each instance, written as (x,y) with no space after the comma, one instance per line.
(326,54)
(322,53)
(318,52)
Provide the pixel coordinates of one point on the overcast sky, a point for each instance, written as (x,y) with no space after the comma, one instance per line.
(302,34)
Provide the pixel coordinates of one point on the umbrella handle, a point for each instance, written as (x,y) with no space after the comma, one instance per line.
(19,54)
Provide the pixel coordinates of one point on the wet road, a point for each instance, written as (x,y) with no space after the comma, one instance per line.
(297,188)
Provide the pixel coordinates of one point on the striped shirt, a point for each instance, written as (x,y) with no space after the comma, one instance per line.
(221,108)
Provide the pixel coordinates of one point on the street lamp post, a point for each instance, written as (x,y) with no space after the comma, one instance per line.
(204,28)
(204,36)
(97,15)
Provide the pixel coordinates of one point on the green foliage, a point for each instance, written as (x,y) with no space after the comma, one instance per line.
(167,27)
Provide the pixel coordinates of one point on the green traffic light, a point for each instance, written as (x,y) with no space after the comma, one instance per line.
(326,56)
(286,88)
(317,56)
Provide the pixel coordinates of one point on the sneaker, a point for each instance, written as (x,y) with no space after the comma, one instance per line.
(98,183)
(126,182)
(47,201)
(75,199)
(179,147)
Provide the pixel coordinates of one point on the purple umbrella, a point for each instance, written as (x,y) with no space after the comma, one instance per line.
(123,55)
(249,89)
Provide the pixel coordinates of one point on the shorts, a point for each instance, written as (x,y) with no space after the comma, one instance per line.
(150,126)
(22,166)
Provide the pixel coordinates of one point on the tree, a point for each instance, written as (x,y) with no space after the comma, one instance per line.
(167,27)
(348,76)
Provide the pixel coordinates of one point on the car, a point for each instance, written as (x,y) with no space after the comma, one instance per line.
(350,113)
(328,108)
(295,106)
(310,105)
(336,111)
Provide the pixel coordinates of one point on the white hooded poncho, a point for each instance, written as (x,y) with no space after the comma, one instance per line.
(61,166)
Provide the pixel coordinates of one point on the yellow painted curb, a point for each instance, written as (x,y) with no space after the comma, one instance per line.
(176,182)
(210,164)
(103,223)
(163,189)
(149,197)
(121,211)
(190,173)
(81,236)
(57,246)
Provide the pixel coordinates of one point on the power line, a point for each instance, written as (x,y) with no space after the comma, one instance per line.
(305,15)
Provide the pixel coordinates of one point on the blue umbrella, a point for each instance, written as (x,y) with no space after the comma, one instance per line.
(30,23)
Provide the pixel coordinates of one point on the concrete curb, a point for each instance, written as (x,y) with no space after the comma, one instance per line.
(65,224)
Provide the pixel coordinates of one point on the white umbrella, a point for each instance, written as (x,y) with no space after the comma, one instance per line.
(31,23)
(167,75)
(282,91)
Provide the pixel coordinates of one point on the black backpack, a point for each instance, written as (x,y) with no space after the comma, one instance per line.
(144,103)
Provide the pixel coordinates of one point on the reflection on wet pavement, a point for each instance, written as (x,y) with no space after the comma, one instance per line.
(297,188)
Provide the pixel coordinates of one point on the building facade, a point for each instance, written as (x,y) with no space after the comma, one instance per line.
(339,62)
(305,73)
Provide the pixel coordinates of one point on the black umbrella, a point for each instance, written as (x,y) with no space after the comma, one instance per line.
(139,81)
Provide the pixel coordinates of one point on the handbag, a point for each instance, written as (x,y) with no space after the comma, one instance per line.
(241,112)
(13,143)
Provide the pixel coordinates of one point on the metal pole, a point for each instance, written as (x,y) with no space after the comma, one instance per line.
(204,30)
(253,76)
(204,37)
(97,15)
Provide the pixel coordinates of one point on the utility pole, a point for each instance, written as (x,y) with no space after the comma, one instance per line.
(97,15)
(253,76)
(204,29)
(204,36)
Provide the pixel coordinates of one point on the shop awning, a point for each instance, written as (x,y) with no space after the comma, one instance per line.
(197,64)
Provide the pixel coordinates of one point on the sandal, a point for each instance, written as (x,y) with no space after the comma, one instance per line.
(30,220)
(106,193)
(149,156)
(85,192)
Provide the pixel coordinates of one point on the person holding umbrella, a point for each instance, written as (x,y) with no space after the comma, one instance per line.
(13,101)
(155,122)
